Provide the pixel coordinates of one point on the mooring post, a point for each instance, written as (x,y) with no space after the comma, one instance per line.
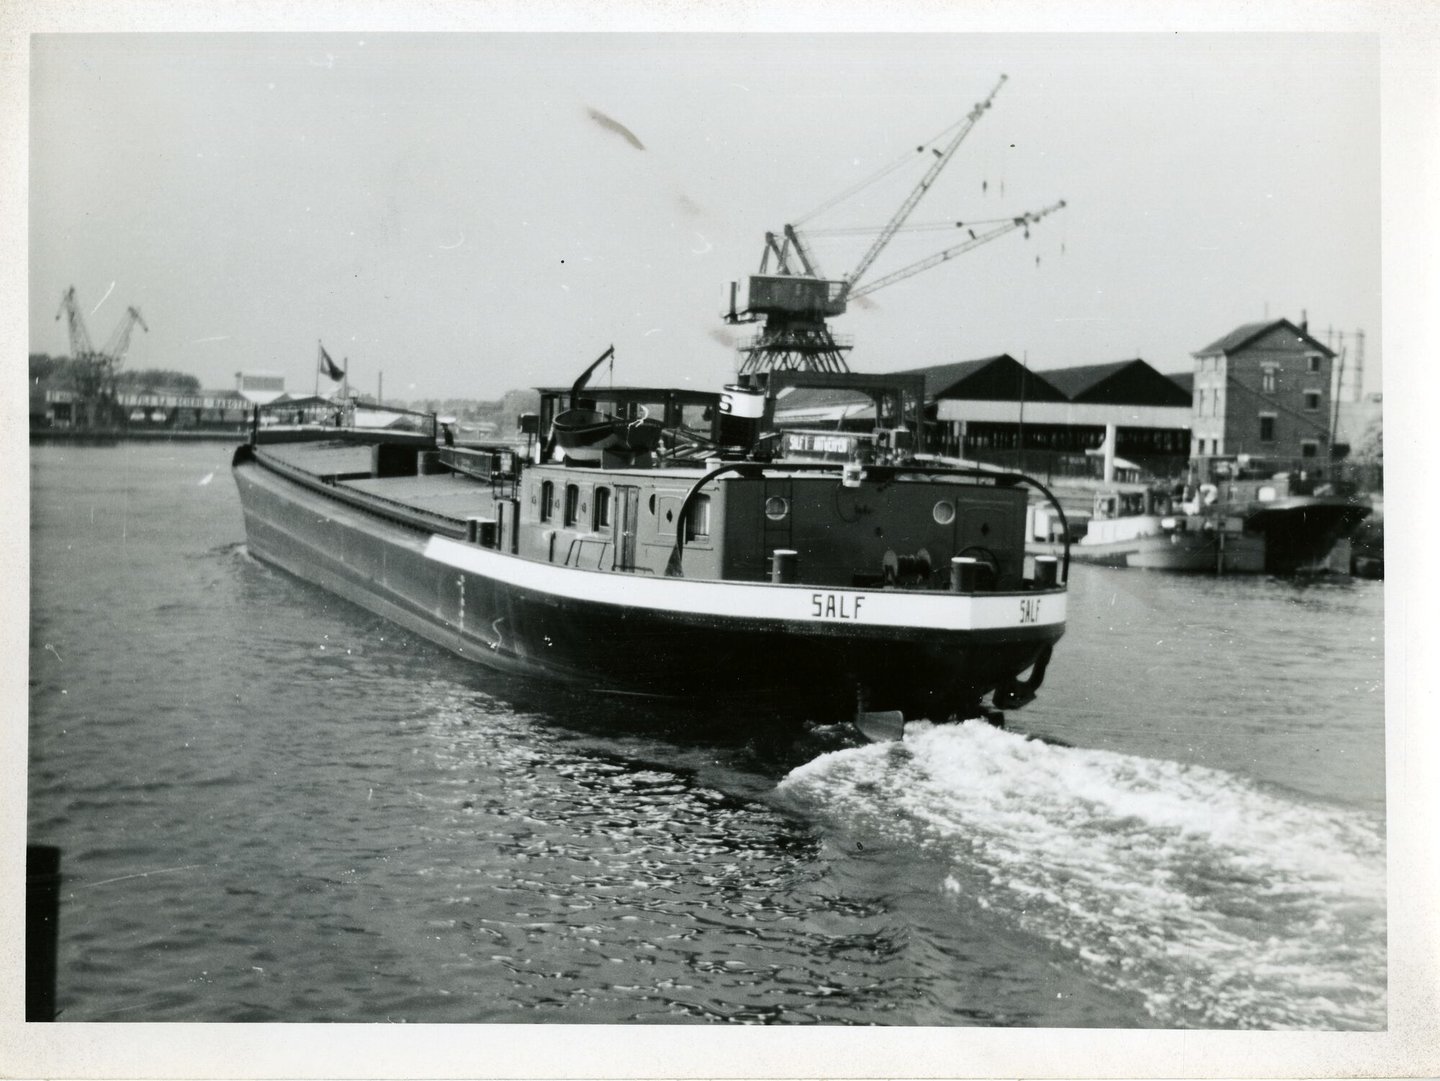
(42,927)
(964,574)
(784,565)
(1047,571)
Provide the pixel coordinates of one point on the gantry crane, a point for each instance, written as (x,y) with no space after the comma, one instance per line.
(94,370)
(794,300)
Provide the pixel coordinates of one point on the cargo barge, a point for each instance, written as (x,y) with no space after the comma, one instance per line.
(699,564)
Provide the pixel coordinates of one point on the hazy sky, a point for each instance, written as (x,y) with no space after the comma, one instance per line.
(448,210)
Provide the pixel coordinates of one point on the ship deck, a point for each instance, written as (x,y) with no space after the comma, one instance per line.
(451,495)
(348,465)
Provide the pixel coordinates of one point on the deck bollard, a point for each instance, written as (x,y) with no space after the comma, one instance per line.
(1047,571)
(784,565)
(42,920)
(964,574)
(481,530)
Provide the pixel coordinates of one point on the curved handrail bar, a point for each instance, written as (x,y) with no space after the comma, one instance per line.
(1064,523)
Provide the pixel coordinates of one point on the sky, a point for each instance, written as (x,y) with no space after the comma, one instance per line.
(462,214)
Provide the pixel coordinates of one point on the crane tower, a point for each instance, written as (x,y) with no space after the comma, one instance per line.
(94,369)
(793,301)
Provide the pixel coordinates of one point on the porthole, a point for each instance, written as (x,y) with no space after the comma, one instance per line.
(776,507)
(944,512)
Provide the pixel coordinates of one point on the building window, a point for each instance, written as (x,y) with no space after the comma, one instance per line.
(1267,380)
(697,524)
(1267,427)
(602,508)
(1312,401)
(1309,448)
(1215,402)
(572,503)
(547,497)
(1314,360)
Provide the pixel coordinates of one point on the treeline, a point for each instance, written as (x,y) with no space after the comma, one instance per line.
(69,374)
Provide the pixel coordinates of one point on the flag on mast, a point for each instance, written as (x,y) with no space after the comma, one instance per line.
(329,368)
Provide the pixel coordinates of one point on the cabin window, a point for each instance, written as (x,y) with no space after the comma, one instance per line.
(547,500)
(1267,380)
(944,512)
(572,503)
(602,508)
(697,522)
(696,416)
(776,508)
(1312,401)
(1267,427)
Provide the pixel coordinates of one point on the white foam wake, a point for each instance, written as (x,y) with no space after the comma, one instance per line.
(1220,903)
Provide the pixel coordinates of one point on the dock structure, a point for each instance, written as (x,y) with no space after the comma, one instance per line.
(1098,420)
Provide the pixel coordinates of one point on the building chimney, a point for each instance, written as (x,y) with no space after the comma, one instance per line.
(1304,321)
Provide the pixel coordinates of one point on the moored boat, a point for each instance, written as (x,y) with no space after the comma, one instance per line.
(1367,549)
(1299,528)
(699,566)
(1247,526)
(1149,528)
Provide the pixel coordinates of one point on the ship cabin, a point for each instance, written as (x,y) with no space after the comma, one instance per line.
(718,498)
(730,521)
(708,494)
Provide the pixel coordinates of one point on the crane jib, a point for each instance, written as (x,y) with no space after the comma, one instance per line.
(908,205)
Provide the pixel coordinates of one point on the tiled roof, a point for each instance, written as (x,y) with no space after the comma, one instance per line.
(1074,381)
(1241,336)
(796,398)
(941,377)
(1121,382)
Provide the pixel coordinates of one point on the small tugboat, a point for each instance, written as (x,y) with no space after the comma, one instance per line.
(1148,527)
(672,544)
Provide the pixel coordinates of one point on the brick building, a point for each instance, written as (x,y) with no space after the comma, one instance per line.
(1263,390)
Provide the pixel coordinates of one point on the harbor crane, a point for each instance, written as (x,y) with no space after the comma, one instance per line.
(794,300)
(94,369)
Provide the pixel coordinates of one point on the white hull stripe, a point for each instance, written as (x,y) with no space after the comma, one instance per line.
(758,600)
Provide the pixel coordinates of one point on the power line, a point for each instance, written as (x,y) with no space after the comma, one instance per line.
(876,176)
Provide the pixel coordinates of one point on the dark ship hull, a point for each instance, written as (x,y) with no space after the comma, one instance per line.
(453,558)
(1300,532)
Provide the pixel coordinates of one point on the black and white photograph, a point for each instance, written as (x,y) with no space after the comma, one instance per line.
(663,531)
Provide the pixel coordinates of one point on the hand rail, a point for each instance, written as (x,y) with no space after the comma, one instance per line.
(581,541)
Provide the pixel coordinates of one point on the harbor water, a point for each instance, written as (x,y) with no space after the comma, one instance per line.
(274,806)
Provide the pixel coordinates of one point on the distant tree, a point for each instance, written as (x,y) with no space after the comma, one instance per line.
(47,369)
(1372,444)
(152,379)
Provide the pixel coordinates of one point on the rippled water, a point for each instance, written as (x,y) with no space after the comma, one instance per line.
(274,806)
